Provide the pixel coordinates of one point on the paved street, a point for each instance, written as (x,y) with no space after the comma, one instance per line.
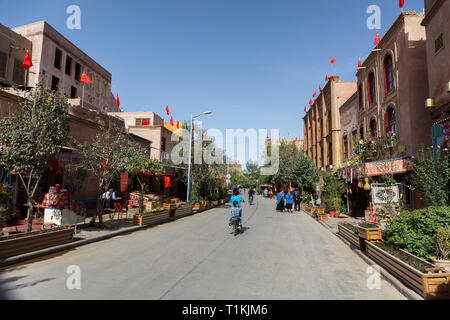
(279,256)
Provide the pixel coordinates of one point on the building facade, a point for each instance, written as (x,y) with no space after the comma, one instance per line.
(60,64)
(392,85)
(322,129)
(13,48)
(350,123)
(437,25)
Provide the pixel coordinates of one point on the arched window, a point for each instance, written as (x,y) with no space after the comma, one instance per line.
(371,88)
(373,127)
(388,73)
(390,120)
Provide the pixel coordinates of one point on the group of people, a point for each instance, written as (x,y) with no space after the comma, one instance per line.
(289,201)
(109,198)
(268,193)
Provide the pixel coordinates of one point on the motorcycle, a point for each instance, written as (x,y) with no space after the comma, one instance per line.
(236,226)
(250,200)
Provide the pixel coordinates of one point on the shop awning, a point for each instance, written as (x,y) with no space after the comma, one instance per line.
(377,168)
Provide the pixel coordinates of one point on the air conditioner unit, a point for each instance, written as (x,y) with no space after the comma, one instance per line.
(165,156)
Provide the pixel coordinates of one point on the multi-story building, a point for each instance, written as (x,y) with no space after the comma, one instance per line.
(392,85)
(437,25)
(350,120)
(322,127)
(60,64)
(13,48)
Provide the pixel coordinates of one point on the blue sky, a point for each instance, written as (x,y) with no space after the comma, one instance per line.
(254,63)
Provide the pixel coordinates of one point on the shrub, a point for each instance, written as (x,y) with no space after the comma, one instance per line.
(443,243)
(195,194)
(416,231)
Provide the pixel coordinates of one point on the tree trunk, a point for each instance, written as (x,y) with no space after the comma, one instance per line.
(30,215)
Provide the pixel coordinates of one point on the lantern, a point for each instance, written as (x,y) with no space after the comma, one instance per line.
(360,184)
(367,185)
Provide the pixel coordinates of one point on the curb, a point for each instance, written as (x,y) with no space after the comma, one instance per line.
(408,293)
(49,251)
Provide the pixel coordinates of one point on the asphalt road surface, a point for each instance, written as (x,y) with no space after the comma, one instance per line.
(279,256)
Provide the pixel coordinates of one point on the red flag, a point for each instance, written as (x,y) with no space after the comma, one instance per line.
(359,63)
(178,124)
(85,78)
(326,77)
(167,110)
(333,60)
(320,88)
(171,121)
(117,101)
(310,102)
(401,3)
(305,108)
(377,39)
(314,94)
(27,64)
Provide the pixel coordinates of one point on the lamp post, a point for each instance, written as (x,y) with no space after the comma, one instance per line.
(190,152)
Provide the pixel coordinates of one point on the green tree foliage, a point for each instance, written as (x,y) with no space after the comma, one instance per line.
(432,178)
(32,137)
(289,156)
(416,231)
(305,173)
(333,189)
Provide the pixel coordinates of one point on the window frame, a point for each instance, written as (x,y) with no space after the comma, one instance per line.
(371,96)
(56,62)
(389,77)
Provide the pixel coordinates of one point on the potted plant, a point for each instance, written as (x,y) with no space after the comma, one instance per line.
(442,249)
(369,232)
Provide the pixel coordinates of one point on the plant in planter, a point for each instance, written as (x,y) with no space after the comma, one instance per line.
(442,249)
(369,232)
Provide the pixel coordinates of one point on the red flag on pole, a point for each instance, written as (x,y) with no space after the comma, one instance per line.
(314,94)
(326,77)
(377,39)
(359,63)
(85,78)
(117,101)
(310,102)
(320,88)
(305,109)
(167,110)
(401,3)
(178,124)
(333,60)
(27,64)
(171,121)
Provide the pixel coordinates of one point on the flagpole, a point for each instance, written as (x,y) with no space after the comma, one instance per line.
(82,99)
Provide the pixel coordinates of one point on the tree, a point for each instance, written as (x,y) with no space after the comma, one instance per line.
(32,137)
(140,165)
(289,156)
(305,173)
(108,155)
(432,178)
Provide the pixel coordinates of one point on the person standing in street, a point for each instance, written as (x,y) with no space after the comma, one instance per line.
(289,201)
(297,199)
(281,198)
(265,193)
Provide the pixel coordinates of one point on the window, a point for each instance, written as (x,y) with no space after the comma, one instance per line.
(142,122)
(371,89)
(68,65)
(439,43)
(388,73)
(391,120)
(373,127)
(360,97)
(3,59)
(73,93)
(330,154)
(345,145)
(354,134)
(163,144)
(361,132)
(55,83)
(18,73)
(77,71)
(58,57)
(105,85)
(329,122)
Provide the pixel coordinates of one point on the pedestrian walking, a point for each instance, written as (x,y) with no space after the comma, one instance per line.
(265,193)
(289,201)
(297,199)
(281,198)
(271,194)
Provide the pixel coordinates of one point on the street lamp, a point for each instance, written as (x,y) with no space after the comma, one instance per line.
(190,152)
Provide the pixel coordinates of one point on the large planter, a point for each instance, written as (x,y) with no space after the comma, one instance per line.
(17,245)
(151,218)
(183,211)
(428,285)
(370,234)
(350,236)
(322,217)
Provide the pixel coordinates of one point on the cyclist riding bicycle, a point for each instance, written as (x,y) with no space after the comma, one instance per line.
(236,198)
(251,194)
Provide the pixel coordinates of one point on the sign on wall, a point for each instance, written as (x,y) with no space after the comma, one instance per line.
(382,194)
